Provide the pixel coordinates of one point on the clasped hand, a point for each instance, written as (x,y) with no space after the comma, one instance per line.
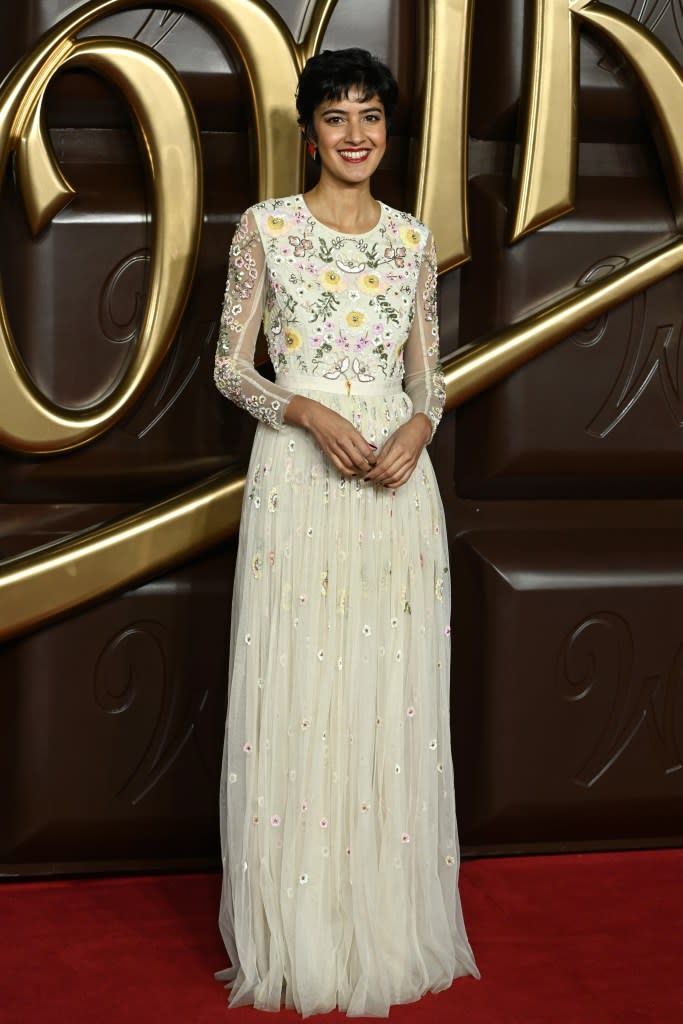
(395,463)
(351,454)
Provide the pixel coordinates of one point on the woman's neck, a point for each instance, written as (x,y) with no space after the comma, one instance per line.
(350,210)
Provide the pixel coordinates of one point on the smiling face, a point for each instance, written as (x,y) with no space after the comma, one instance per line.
(352,136)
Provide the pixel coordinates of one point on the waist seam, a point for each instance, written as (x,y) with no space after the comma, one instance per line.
(341,385)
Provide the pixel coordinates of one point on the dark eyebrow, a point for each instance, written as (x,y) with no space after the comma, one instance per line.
(364,110)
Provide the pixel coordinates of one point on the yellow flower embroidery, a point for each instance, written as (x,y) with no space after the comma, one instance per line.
(410,237)
(355,318)
(332,281)
(371,284)
(276,225)
(293,339)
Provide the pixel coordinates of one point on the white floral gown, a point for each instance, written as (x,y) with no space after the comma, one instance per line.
(339,836)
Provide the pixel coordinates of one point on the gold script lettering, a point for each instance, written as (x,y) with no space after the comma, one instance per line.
(440,174)
(547,177)
(30,422)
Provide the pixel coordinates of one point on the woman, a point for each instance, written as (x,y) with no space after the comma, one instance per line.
(339,836)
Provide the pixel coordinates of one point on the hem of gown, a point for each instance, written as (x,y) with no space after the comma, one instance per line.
(230,978)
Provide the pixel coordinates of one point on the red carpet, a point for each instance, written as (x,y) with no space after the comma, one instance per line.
(578,939)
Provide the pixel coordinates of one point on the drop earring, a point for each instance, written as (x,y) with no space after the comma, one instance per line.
(312,151)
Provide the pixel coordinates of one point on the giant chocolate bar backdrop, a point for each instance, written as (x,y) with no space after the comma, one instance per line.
(562,481)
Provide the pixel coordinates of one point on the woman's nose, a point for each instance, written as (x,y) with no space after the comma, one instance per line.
(354,131)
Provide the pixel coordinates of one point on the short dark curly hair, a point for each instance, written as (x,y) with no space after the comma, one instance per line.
(330,75)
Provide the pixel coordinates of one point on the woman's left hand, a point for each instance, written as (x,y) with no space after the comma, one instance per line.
(398,458)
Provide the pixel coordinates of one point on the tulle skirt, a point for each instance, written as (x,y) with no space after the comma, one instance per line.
(338,828)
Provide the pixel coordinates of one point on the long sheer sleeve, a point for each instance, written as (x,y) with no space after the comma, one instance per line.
(424,379)
(234,372)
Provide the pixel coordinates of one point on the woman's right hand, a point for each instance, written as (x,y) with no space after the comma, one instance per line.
(344,446)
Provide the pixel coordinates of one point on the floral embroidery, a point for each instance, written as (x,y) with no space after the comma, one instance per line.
(450,860)
(371,284)
(276,225)
(293,340)
(303,879)
(276,820)
(405,838)
(301,245)
(332,281)
(247,748)
(410,236)
(325,298)
(410,712)
(429,289)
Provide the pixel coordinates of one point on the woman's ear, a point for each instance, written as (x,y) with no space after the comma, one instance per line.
(311,142)
(311,146)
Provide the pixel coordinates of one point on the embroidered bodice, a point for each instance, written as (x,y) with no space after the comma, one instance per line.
(361,307)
